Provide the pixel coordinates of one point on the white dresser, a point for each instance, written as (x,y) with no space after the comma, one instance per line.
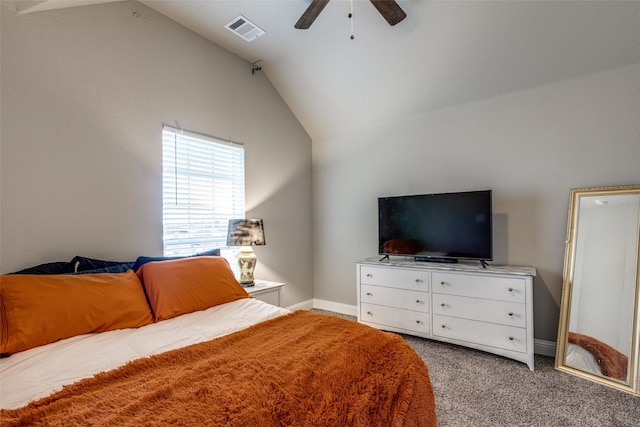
(489,309)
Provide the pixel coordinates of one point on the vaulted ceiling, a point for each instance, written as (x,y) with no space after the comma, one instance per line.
(444,53)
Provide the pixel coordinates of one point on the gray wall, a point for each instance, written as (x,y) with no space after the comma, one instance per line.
(529,147)
(85,91)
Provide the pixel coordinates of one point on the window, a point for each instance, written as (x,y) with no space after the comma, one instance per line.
(202,188)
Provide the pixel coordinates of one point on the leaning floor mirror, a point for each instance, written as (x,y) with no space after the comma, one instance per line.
(599,329)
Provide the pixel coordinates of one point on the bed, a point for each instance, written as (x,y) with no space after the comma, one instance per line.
(191,347)
(592,355)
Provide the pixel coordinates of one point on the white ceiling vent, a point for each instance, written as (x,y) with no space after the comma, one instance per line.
(244,28)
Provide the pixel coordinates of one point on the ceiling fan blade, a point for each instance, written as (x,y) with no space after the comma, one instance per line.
(311,14)
(390,10)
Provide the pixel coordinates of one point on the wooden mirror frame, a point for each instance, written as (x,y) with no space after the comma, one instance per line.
(584,344)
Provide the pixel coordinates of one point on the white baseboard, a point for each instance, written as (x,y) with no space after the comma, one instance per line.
(542,347)
(336,307)
(304,305)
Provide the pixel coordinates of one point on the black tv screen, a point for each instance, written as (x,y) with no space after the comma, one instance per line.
(438,227)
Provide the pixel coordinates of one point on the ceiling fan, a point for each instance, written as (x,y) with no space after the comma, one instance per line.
(389,9)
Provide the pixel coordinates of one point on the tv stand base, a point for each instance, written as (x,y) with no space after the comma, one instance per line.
(435,259)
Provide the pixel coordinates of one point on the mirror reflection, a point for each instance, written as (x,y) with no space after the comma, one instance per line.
(598,333)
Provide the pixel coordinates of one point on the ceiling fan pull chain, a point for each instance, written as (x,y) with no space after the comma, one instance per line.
(351,18)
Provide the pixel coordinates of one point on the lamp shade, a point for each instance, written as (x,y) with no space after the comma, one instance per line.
(245,232)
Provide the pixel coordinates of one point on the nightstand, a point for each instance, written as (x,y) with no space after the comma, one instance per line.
(269,292)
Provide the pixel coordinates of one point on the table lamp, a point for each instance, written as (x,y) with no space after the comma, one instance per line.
(246,233)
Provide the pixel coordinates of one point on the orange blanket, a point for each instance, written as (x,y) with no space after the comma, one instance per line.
(303,369)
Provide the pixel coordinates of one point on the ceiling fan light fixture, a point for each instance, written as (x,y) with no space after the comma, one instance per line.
(389,9)
(244,28)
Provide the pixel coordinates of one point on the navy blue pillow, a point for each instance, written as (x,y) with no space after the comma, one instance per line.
(60,267)
(80,263)
(116,268)
(145,259)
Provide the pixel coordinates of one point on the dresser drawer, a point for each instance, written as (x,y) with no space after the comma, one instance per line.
(489,334)
(478,286)
(392,297)
(398,318)
(414,279)
(501,312)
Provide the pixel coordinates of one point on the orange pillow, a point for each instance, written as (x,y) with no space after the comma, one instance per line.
(40,309)
(186,285)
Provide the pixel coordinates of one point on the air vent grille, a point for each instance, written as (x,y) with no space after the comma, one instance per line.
(244,28)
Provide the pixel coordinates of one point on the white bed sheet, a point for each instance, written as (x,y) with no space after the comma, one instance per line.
(38,372)
(580,358)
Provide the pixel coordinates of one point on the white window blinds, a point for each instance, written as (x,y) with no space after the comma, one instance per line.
(202,188)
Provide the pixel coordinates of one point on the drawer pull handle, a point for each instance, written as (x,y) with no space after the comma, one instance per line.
(510,338)
(443,326)
(418,280)
(510,289)
(510,314)
(369,313)
(418,322)
(442,304)
(443,283)
(369,294)
(369,275)
(418,301)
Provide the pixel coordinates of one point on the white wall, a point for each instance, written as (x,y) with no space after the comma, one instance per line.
(85,91)
(529,147)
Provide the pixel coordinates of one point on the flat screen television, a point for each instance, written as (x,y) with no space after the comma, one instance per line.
(442,227)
